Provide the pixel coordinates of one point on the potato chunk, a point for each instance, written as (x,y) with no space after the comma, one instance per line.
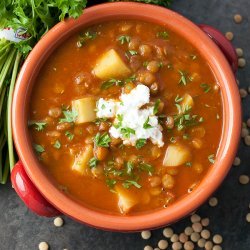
(176,155)
(126,200)
(187,102)
(110,65)
(82,159)
(85,108)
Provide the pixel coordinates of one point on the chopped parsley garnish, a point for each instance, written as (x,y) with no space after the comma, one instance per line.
(211,158)
(186,136)
(93,162)
(39,126)
(83,38)
(119,123)
(110,183)
(129,183)
(69,135)
(206,87)
(57,144)
(178,99)
(111,82)
(185,78)
(156,106)
(146,168)
(69,116)
(126,132)
(124,39)
(189,164)
(146,124)
(102,140)
(145,64)
(129,168)
(172,139)
(163,35)
(38,148)
(160,64)
(193,57)
(140,143)
(131,53)
(130,79)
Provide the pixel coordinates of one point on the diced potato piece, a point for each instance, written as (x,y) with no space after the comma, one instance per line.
(126,199)
(187,102)
(176,155)
(81,161)
(110,65)
(85,108)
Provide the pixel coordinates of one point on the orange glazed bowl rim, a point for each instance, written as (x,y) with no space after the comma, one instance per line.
(231,117)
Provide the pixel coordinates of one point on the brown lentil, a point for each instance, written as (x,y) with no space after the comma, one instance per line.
(248,122)
(201,243)
(134,44)
(247,140)
(163,244)
(239,52)
(154,88)
(236,161)
(58,222)
(146,77)
(209,245)
(244,132)
(169,122)
(217,247)
(242,62)
(248,217)
(217,239)
(145,50)
(153,66)
(243,93)
(205,222)
(177,246)
(183,238)
(168,232)
(244,179)
(148,248)
(195,236)
(195,218)
(189,245)
(213,201)
(197,227)
(154,181)
(168,181)
(237,18)
(63,126)
(146,234)
(43,246)
(101,153)
(188,231)
(205,234)
(55,112)
(229,35)
(174,238)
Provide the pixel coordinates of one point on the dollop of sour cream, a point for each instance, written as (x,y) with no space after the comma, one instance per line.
(132,122)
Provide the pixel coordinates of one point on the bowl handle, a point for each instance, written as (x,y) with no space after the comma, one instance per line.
(30,194)
(225,46)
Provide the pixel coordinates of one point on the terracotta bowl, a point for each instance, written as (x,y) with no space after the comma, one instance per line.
(51,198)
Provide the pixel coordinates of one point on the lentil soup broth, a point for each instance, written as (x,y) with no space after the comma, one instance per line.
(186,103)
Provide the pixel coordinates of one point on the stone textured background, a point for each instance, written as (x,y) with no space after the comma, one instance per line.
(22,230)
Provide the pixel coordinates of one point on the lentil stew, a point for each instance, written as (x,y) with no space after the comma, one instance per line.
(126,117)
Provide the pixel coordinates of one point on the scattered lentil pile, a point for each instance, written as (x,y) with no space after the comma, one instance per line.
(194,235)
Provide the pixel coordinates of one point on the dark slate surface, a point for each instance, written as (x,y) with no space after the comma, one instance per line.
(22,230)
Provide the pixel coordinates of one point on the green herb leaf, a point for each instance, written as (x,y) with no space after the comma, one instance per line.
(178,99)
(120,119)
(146,124)
(129,183)
(211,158)
(69,135)
(102,140)
(69,116)
(140,143)
(163,34)
(129,168)
(110,183)
(156,106)
(184,79)
(131,53)
(38,148)
(145,64)
(189,164)
(146,168)
(126,132)
(111,82)
(83,38)
(172,139)
(206,87)
(57,144)
(124,39)
(39,126)
(93,162)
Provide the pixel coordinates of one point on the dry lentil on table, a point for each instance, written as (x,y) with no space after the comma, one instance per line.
(244,179)
(229,35)
(238,18)
(213,201)
(43,245)
(163,244)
